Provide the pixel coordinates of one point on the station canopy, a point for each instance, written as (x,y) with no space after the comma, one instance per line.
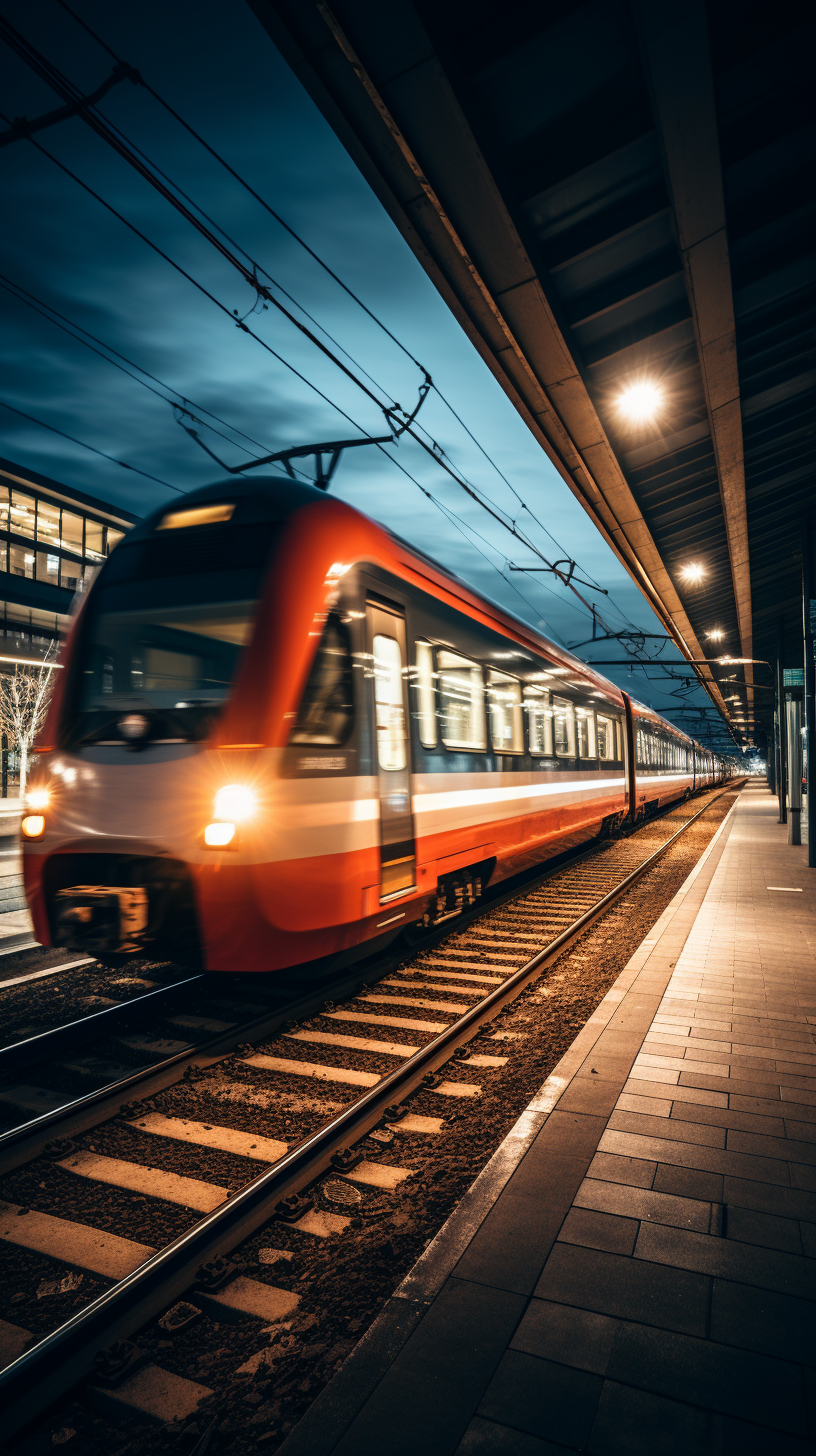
(614,200)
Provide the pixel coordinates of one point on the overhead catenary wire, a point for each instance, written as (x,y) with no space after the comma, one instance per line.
(98,346)
(168,189)
(213,152)
(184,273)
(115,139)
(429,450)
(84,446)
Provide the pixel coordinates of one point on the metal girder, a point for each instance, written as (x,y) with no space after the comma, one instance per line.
(674,41)
(392,116)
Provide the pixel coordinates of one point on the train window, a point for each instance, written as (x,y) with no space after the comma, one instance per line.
(390,716)
(504,707)
(564,727)
(327,707)
(618,742)
(461,690)
(539,720)
(585,732)
(606,738)
(426,695)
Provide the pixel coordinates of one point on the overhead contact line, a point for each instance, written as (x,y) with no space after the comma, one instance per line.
(332,274)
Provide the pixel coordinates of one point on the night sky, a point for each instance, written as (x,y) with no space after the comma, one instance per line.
(215,65)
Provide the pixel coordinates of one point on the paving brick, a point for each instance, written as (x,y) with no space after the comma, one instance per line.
(429,1394)
(804,1130)
(788,1202)
(715,1376)
(646,1106)
(487,1438)
(764,1229)
(767,1088)
(572,1134)
(548,1400)
(678,1093)
(762,1320)
(596,1230)
(772,1147)
(741,1438)
(643,1203)
(764,1268)
(725,1117)
(590,1094)
(510,1247)
(693,1155)
(636,1171)
(673,1299)
(803,1176)
(679,1129)
(632,1422)
(569,1336)
(654,1074)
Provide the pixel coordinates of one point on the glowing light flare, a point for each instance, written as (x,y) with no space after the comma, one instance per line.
(236,803)
(219,835)
(715,635)
(640,403)
(693,572)
(38,798)
(33,826)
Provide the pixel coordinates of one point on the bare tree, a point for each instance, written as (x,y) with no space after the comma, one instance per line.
(24,697)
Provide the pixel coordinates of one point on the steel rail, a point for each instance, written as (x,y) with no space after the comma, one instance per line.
(66,1356)
(54,1041)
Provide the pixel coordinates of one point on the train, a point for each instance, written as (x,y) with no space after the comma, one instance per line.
(281,736)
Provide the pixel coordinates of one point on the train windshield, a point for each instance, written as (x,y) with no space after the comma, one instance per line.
(171,657)
(175,660)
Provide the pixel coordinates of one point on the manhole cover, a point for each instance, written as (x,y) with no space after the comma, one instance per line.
(342,1193)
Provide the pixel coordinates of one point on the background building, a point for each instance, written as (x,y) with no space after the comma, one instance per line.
(52,539)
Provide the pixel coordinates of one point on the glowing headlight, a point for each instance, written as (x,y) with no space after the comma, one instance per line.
(33,826)
(38,799)
(235,802)
(219,835)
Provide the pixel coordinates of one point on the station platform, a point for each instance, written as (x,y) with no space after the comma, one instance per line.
(634,1271)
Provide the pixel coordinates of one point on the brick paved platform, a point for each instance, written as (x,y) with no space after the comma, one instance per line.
(634,1272)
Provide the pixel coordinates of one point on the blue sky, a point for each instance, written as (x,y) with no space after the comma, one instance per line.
(216,66)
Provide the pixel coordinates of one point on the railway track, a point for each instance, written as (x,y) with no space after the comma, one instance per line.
(366,1053)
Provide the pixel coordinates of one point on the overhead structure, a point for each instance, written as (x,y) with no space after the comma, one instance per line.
(612,200)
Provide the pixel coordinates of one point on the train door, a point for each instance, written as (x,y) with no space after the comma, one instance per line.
(387,646)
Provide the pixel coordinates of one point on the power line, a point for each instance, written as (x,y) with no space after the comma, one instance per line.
(168,189)
(119,143)
(93,448)
(69,326)
(321,262)
(200,286)
(251,190)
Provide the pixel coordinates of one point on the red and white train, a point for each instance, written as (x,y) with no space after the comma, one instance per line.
(283,734)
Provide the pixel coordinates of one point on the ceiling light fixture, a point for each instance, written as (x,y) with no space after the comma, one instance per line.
(693,572)
(715,635)
(640,403)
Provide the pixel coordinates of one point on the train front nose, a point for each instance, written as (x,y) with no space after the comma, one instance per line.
(112,867)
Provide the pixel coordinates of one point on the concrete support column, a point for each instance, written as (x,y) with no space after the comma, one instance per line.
(793,723)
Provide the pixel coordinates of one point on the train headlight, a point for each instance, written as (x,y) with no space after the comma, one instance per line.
(219,834)
(33,826)
(235,803)
(38,799)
